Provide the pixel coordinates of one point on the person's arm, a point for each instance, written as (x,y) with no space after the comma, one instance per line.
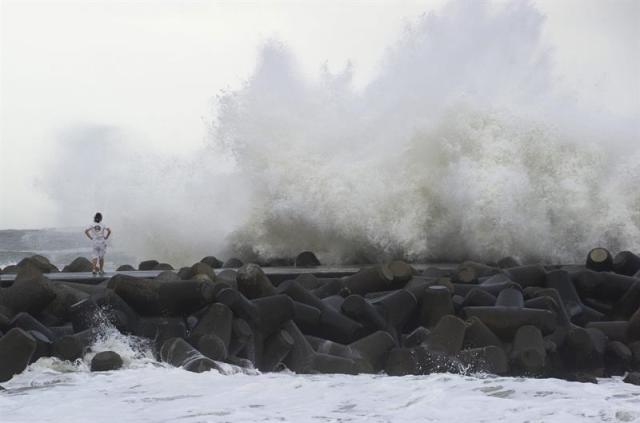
(87,234)
(108,233)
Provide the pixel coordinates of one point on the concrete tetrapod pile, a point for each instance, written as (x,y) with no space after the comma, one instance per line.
(571,322)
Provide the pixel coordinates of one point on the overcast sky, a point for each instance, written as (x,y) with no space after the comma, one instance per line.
(152,68)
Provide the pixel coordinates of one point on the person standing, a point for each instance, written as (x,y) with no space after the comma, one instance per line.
(99,234)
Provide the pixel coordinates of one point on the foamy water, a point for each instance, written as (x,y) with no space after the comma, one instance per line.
(152,393)
(147,391)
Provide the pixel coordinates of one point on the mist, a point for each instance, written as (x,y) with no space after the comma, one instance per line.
(464,144)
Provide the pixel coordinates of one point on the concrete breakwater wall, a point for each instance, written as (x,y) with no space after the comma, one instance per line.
(571,322)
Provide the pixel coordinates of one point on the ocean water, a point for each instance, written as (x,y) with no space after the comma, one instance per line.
(148,391)
(60,246)
(154,393)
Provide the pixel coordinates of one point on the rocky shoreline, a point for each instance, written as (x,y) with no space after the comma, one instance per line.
(572,322)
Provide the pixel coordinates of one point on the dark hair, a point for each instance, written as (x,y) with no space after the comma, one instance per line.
(98,217)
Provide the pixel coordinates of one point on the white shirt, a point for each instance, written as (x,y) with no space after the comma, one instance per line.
(97,231)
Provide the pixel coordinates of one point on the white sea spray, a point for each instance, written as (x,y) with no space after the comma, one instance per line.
(465,145)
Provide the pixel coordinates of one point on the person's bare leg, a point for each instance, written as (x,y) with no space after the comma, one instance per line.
(102,264)
(94,261)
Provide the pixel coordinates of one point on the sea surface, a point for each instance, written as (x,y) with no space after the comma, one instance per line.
(59,245)
(148,391)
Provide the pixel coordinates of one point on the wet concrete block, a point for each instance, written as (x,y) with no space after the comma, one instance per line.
(436,303)
(362,311)
(306,259)
(528,275)
(301,356)
(212,262)
(308,281)
(44,347)
(448,335)
(297,292)
(241,335)
(599,260)
(141,294)
(276,348)
(65,297)
(125,268)
(27,322)
(492,288)
(73,347)
(471,272)
(167,276)
(374,348)
(478,297)
(370,279)
(510,297)
(148,264)
(417,337)
(402,362)
(614,330)
(633,330)
(508,262)
(551,300)
(325,346)
(334,302)
(402,272)
(16,349)
(338,327)
(229,277)
(304,359)
(505,321)
(584,349)
(30,294)
(430,361)
(604,286)
(233,263)
(581,314)
(626,263)
(478,335)
(217,320)
(177,352)
(211,346)
(273,311)
(84,314)
(529,353)
(202,269)
(331,364)
(151,298)
(79,264)
(105,361)
(116,311)
(617,358)
(306,317)
(628,303)
(633,378)
(332,287)
(396,307)
(150,327)
(185,297)
(635,355)
(253,283)
(489,359)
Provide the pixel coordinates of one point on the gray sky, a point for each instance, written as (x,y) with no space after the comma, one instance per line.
(152,68)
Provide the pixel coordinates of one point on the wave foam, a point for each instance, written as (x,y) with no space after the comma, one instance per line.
(464,146)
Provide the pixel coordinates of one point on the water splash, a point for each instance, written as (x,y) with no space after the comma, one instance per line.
(461,148)
(464,146)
